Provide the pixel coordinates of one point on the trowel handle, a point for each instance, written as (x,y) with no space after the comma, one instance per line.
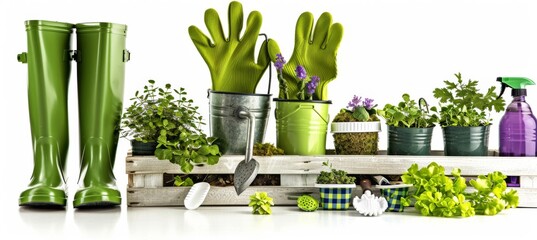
(250,139)
(365,184)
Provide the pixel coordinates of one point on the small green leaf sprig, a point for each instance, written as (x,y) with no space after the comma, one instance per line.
(334,176)
(261,202)
(442,196)
(178,181)
(461,103)
(409,114)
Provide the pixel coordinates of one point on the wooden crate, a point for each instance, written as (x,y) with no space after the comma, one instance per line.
(298,174)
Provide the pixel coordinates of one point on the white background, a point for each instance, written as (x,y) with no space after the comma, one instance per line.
(389,47)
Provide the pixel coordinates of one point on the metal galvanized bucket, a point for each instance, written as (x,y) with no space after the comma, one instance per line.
(232,131)
(466,141)
(409,141)
(301,126)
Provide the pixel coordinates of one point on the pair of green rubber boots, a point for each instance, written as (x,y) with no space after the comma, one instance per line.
(100,57)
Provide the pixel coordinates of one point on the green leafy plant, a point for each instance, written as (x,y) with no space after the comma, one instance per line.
(409,114)
(142,120)
(266,149)
(180,182)
(334,176)
(461,103)
(440,195)
(261,202)
(166,116)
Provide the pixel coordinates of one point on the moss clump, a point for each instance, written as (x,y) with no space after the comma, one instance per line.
(356,143)
(266,149)
(365,143)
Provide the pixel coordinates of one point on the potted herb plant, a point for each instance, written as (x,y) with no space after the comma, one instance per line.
(465,116)
(141,121)
(356,128)
(335,188)
(410,126)
(165,116)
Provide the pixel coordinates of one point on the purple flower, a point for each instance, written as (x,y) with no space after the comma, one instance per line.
(280,61)
(312,84)
(301,72)
(368,103)
(355,102)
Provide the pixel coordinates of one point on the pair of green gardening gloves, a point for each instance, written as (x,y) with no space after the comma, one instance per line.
(231,60)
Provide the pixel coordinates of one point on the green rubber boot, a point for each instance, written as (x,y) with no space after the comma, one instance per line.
(101,58)
(49,66)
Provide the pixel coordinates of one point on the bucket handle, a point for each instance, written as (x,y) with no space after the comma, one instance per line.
(242,112)
(269,61)
(307,106)
(424,102)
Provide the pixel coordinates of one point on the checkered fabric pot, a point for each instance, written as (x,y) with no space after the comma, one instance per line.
(393,196)
(335,198)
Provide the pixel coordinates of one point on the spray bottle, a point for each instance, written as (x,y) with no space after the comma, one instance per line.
(518,127)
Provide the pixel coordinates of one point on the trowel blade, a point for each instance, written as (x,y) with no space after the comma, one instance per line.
(245,173)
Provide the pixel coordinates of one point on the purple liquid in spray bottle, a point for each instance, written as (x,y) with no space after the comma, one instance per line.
(518,126)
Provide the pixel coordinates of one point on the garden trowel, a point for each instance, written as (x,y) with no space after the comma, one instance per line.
(247,169)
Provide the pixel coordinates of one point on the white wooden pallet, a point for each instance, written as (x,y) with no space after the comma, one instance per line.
(298,174)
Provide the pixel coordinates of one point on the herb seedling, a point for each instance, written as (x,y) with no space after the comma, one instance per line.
(461,103)
(334,176)
(408,114)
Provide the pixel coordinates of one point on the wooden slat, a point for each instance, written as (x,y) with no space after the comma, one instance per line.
(174,196)
(283,196)
(353,164)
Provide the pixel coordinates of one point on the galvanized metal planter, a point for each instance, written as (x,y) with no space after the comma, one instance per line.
(466,141)
(231,130)
(409,141)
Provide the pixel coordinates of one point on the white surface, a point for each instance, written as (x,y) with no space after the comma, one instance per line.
(239,222)
(389,47)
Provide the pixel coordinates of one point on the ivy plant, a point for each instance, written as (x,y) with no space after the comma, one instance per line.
(261,202)
(334,176)
(439,195)
(461,103)
(409,114)
(166,116)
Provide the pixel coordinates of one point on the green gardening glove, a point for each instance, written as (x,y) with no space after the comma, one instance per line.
(231,60)
(317,55)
